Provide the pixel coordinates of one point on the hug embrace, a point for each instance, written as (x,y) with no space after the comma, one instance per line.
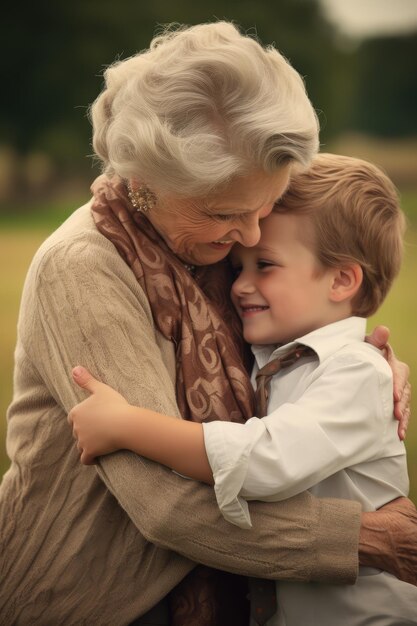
(209,145)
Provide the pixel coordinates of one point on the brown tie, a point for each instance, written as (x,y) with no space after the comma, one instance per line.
(265,374)
(262,594)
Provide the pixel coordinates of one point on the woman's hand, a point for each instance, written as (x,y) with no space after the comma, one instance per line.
(400,372)
(96,422)
(388,539)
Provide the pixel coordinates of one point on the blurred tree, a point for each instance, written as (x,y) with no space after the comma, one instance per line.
(56,52)
(385,102)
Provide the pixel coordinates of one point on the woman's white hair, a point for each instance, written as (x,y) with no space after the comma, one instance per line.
(203,105)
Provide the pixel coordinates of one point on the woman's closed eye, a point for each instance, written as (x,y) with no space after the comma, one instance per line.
(225,217)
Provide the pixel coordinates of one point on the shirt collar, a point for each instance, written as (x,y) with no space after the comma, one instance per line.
(324,341)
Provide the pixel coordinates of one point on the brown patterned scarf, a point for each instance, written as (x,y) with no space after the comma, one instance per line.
(194,312)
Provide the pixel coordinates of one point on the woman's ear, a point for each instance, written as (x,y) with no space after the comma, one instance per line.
(346,282)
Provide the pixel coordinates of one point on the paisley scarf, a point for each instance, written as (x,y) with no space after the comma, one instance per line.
(195,313)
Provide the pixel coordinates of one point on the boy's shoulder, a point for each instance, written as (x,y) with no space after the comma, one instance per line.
(342,343)
(364,353)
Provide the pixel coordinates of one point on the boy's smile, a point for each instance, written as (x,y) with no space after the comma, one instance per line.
(281,292)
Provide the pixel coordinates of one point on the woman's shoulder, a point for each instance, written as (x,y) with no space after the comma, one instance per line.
(77,260)
(76,244)
(77,231)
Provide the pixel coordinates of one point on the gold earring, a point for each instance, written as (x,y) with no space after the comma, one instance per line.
(142,198)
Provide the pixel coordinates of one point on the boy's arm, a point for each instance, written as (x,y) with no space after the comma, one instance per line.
(341,420)
(333,425)
(376,531)
(105,422)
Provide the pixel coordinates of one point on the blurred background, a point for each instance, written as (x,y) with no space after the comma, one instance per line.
(359,62)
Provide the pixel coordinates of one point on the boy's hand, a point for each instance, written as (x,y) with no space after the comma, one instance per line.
(400,372)
(96,422)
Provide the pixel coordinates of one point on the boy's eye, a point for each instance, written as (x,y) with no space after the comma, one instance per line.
(263,264)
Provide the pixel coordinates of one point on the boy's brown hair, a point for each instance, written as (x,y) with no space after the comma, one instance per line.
(354,211)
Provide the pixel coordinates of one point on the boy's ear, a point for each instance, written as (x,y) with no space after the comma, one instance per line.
(346,282)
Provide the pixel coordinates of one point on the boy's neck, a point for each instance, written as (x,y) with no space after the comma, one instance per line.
(302,333)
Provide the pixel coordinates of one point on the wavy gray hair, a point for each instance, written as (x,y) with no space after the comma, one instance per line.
(204,104)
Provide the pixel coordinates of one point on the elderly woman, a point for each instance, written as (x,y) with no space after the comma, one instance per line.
(199,136)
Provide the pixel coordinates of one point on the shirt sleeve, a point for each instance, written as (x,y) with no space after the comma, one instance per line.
(339,421)
(84,306)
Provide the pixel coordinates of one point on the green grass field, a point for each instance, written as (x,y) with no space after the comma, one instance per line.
(18,243)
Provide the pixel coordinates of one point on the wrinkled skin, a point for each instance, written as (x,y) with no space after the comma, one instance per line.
(388,539)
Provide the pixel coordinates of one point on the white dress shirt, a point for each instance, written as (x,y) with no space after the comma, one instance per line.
(329,429)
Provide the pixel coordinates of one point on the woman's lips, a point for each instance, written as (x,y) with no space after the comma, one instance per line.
(221,244)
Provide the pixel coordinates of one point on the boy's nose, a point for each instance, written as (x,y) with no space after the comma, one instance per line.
(242,284)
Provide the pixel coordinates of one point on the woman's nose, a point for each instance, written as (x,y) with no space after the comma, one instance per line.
(249,233)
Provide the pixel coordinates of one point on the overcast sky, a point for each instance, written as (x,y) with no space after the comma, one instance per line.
(363,18)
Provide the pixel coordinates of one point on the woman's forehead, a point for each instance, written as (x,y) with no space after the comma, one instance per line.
(250,192)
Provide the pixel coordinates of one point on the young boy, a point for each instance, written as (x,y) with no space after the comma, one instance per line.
(326,259)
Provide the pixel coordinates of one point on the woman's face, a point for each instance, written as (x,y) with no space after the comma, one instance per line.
(202,231)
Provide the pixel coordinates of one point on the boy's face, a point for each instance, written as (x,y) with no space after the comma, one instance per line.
(278,293)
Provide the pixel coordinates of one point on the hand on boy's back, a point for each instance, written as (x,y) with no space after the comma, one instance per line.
(393,547)
(400,373)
